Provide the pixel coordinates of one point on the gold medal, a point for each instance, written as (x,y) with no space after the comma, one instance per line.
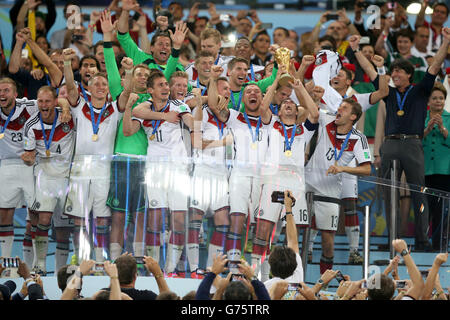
(2,135)
(288,153)
(400,113)
(152,137)
(254,145)
(47,153)
(94,137)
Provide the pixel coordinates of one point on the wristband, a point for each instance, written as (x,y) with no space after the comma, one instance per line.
(381,71)
(78,274)
(288,212)
(67,63)
(129,71)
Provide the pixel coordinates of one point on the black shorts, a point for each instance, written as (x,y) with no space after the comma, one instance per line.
(127,188)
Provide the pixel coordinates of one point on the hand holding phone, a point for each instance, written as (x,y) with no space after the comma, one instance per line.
(339,277)
(332,16)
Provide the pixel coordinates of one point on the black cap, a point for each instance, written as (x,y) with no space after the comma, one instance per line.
(7,289)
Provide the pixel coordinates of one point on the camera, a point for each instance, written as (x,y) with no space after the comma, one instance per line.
(237,277)
(9,262)
(99,267)
(139,260)
(294,286)
(278,196)
(339,277)
(77,37)
(401,284)
(332,16)
(224,17)
(266,26)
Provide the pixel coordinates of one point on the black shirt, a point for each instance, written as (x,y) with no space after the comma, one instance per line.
(136,294)
(415,108)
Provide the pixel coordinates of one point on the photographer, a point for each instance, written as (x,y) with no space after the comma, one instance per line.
(285,262)
(236,286)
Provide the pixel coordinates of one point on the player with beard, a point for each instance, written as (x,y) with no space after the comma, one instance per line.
(250,131)
(48,138)
(13,115)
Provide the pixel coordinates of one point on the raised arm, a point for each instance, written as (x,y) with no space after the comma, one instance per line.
(362,60)
(441,54)
(314,37)
(54,72)
(130,126)
(440,259)
(379,45)
(213,95)
(14,60)
(153,267)
(144,42)
(113,273)
(420,18)
(383,87)
(114,81)
(127,64)
(127,6)
(417,282)
(291,229)
(72,90)
(268,97)
(306,101)
(307,60)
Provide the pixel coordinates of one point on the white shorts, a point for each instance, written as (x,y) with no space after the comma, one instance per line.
(168,186)
(16,184)
(349,183)
(209,189)
(88,190)
(326,215)
(50,191)
(59,219)
(349,186)
(282,181)
(245,192)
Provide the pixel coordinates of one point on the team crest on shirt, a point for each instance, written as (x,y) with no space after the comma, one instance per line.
(106,113)
(194,202)
(154,203)
(258,77)
(298,130)
(65,128)
(115,202)
(318,61)
(69,208)
(22,120)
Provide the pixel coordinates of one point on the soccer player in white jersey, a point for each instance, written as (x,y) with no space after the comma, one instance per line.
(96,120)
(210,40)
(285,162)
(203,63)
(168,182)
(48,138)
(342,84)
(338,143)
(13,115)
(250,131)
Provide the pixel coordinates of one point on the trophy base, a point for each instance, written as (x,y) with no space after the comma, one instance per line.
(285,80)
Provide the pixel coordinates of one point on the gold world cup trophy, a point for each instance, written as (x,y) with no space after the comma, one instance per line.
(283,58)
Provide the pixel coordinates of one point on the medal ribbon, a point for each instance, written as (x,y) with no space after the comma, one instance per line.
(8,119)
(238,106)
(274,109)
(95,124)
(156,123)
(220,126)
(198,86)
(401,102)
(52,132)
(252,73)
(343,146)
(254,136)
(288,142)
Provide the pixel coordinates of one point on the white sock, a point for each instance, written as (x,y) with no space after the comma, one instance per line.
(265,269)
(99,254)
(6,243)
(115,250)
(138,249)
(192,252)
(213,251)
(353,237)
(173,256)
(312,237)
(28,256)
(41,252)
(154,252)
(61,256)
